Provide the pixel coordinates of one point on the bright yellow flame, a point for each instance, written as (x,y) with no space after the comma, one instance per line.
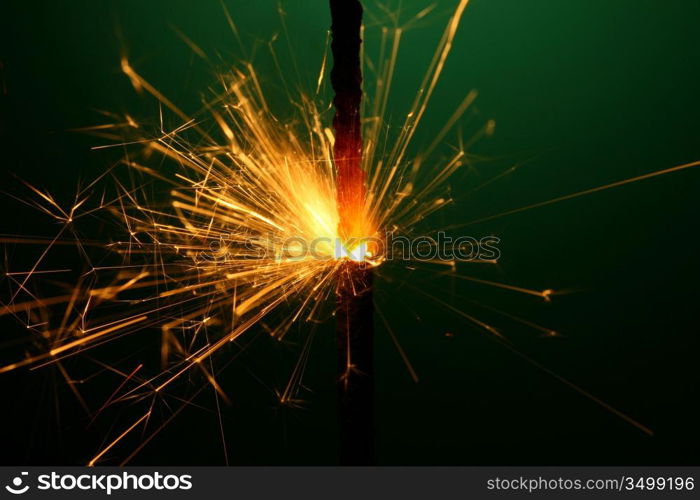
(357,253)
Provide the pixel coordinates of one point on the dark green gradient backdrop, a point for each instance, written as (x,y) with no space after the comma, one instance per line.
(584,92)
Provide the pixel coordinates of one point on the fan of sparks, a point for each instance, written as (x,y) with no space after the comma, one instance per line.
(220,247)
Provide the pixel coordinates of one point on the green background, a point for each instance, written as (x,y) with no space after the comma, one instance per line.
(583,93)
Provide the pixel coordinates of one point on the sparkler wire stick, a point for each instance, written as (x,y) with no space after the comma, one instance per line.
(354,317)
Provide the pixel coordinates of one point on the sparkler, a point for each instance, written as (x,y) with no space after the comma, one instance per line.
(265,225)
(354,314)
